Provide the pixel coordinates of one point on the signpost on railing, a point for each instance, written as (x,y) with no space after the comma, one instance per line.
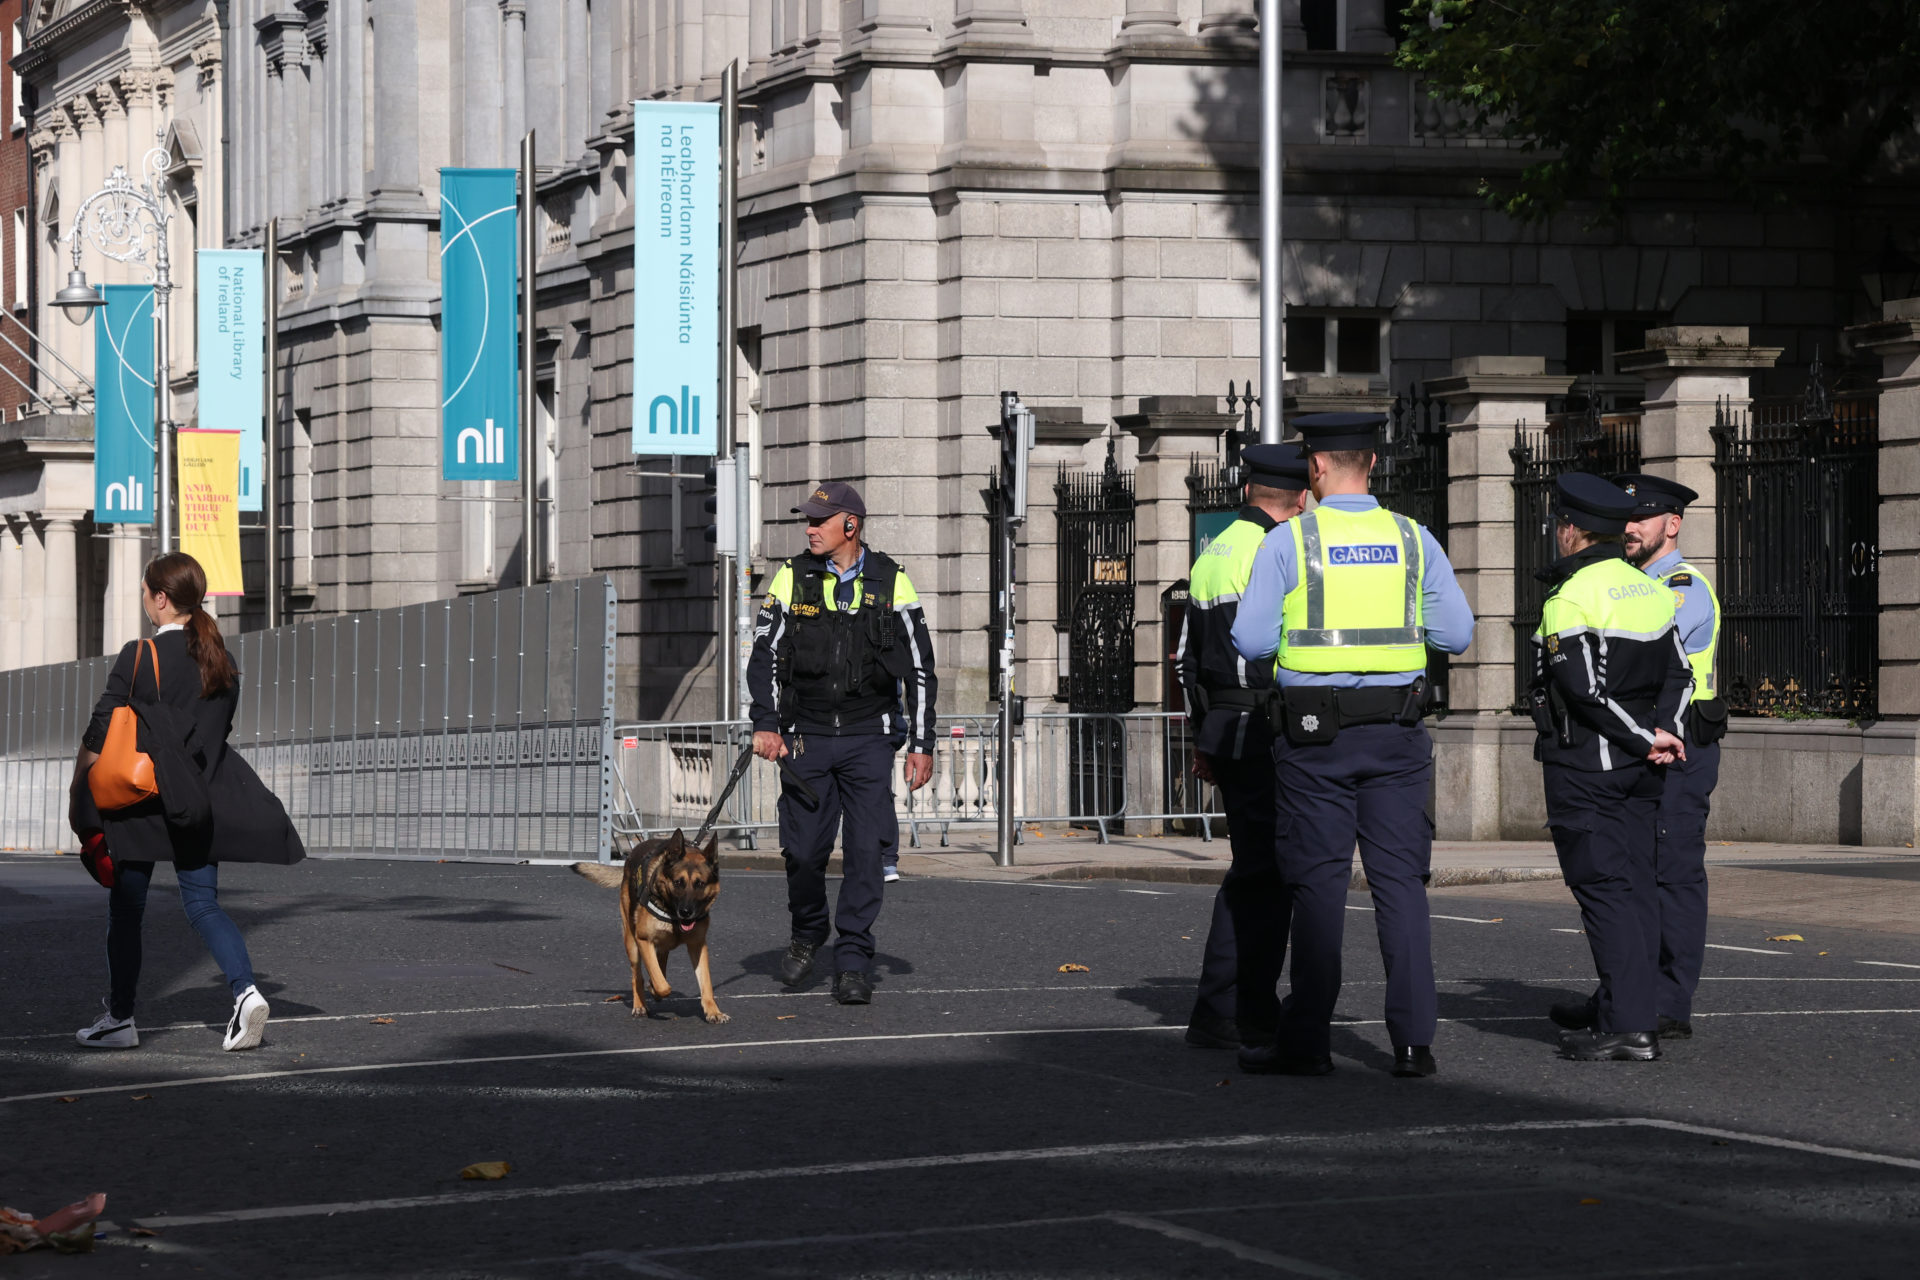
(1016,449)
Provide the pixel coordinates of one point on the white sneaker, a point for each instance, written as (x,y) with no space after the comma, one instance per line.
(109,1033)
(249,1021)
(889,874)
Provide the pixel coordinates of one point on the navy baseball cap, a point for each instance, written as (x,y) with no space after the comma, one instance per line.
(1278,466)
(1592,502)
(1656,495)
(830,499)
(1338,432)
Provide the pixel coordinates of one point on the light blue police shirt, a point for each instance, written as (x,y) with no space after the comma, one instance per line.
(1276,571)
(1695,618)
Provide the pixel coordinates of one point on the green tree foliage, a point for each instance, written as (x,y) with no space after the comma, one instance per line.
(1600,94)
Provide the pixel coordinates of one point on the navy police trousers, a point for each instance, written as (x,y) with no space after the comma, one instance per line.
(1247,943)
(1680,874)
(1368,786)
(852,777)
(1603,829)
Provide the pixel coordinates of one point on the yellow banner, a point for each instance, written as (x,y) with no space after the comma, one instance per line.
(210,506)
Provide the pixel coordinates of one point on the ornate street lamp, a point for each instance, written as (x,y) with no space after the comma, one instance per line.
(126,220)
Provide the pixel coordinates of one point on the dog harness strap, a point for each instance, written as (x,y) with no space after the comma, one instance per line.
(660,915)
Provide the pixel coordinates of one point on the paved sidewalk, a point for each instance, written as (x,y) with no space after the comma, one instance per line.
(1791,887)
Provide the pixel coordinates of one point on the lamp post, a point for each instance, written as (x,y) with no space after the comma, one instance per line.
(125,220)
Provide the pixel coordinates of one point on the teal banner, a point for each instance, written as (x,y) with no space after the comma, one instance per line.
(479,345)
(676,277)
(123,406)
(231,300)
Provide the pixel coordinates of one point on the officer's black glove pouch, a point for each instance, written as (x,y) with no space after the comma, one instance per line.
(1709,717)
(1312,716)
(1550,715)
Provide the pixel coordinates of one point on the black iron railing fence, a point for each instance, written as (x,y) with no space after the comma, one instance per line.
(1096,515)
(1589,440)
(1798,547)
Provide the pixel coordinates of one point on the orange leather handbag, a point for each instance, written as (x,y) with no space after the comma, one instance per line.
(123,775)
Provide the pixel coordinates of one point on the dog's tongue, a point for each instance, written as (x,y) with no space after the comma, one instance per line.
(686,926)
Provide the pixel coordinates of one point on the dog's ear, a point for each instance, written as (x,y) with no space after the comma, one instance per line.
(676,845)
(712,851)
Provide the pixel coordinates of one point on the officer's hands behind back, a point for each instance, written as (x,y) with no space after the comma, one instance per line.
(1666,748)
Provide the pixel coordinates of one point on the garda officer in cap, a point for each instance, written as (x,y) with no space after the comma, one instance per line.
(1233,749)
(1680,840)
(840,653)
(1610,683)
(1347,598)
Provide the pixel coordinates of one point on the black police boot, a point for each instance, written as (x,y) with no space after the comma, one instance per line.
(1573,1017)
(798,962)
(1282,1060)
(1610,1046)
(1674,1029)
(1414,1061)
(1211,1031)
(850,986)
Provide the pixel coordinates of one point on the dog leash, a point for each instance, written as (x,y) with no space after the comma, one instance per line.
(807,795)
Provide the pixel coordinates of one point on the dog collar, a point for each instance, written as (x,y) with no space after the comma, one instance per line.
(660,915)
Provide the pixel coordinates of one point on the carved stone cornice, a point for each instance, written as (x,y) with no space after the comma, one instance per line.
(514,9)
(81,112)
(134,86)
(283,38)
(163,86)
(207,57)
(315,12)
(41,143)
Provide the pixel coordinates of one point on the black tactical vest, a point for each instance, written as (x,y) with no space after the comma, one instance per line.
(839,667)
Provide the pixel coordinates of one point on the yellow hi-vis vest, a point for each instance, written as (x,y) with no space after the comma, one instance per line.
(1358,605)
(1702,662)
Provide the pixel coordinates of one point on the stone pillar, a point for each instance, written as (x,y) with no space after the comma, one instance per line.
(1320,393)
(513,72)
(1689,371)
(1225,17)
(1293,32)
(1486,398)
(60,606)
(12,604)
(1367,27)
(990,22)
(1890,776)
(396,87)
(120,617)
(33,594)
(1171,430)
(1147,19)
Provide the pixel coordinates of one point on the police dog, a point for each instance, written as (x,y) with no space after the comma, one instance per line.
(666,890)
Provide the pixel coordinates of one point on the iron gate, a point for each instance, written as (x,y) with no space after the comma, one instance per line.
(1410,478)
(1798,542)
(1096,521)
(1605,444)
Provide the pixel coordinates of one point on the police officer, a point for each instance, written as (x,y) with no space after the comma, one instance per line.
(1610,683)
(1233,749)
(840,652)
(1349,596)
(1680,840)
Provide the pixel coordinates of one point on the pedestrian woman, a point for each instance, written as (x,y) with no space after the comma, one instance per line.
(187,668)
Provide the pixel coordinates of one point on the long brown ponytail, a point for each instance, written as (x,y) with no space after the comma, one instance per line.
(179,577)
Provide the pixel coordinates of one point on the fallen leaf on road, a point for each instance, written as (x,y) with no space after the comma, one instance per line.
(1065,968)
(384,1022)
(784,1017)
(1223,1084)
(1589,1200)
(69,1099)
(498,965)
(486,1171)
(143,1097)
(1823,953)
(613,1000)
(1498,920)
(1786,937)
(142,1231)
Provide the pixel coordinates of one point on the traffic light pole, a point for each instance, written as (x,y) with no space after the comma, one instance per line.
(1010,512)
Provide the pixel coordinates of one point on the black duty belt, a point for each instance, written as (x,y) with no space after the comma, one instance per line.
(1382,705)
(1238,699)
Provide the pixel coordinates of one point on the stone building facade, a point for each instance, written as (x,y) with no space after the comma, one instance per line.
(105,86)
(16,220)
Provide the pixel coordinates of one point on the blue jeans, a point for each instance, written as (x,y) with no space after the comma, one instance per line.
(200,895)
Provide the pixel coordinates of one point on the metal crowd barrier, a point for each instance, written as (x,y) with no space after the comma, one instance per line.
(1095,770)
(456,728)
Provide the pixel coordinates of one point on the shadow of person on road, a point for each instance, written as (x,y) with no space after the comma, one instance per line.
(1170,998)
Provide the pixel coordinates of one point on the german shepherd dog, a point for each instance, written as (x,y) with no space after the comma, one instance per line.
(666,890)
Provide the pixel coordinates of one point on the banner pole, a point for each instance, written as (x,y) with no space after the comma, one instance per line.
(742,584)
(532,556)
(1273,302)
(163,425)
(729,666)
(270,471)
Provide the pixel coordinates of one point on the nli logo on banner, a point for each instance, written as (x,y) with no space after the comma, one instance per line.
(479,309)
(676,277)
(123,406)
(209,513)
(231,302)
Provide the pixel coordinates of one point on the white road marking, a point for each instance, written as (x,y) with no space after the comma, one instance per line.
(1351,907)
(722,1045)
(1245,1252)
(1152,893)
(1566,930)
(1890,964)
(1758,951)
(619,1186)
(1468,919)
